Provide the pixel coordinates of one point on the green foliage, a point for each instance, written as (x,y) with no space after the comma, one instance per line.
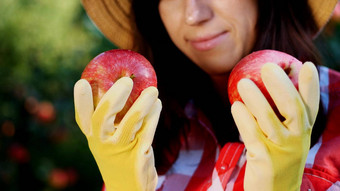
(328,43)
(44,47)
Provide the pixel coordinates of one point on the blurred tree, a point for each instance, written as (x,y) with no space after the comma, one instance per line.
(328,41)
(329,44)
(44,47)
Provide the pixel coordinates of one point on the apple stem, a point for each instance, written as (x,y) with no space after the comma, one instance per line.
(287,70)
(132,76)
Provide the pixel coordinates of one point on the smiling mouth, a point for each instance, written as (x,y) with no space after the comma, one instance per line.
(208,42)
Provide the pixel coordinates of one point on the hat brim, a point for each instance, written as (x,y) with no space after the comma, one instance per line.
(322,11)
(115,20)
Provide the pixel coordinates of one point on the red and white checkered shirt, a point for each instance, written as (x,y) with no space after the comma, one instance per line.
(204,165)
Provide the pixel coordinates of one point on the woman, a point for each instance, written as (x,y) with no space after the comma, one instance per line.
(193,45)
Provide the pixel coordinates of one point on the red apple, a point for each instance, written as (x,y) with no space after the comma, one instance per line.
(106,68)
(46,112)
(250,67)
(19,153)
(58,178)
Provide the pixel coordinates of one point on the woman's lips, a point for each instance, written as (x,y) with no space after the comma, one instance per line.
(207,42)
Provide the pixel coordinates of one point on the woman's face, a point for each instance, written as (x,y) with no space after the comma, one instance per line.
(215,34)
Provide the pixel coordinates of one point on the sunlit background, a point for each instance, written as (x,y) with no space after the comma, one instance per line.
(44,46)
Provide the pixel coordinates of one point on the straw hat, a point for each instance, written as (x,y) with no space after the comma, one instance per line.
(114,19)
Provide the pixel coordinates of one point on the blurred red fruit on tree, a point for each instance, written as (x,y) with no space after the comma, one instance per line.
(18,153)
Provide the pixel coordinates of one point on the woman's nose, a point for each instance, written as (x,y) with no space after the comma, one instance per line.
(197,12)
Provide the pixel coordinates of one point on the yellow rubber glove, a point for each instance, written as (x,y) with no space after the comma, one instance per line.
(277,151)
(122,151)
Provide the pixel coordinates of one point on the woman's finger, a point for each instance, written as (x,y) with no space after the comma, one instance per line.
(258,105)
(147,132)
(251,134)
(111,103)
(83,103)
(309,90)
(286,97)
(134,118)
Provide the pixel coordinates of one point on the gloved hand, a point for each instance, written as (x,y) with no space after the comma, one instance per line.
(122,151)
(277,151)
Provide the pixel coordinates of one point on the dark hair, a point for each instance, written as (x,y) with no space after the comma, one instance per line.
(285,25)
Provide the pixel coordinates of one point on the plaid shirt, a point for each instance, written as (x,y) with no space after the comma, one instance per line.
(207,166)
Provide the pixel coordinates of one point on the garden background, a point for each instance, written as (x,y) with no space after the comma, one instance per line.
(44,46)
